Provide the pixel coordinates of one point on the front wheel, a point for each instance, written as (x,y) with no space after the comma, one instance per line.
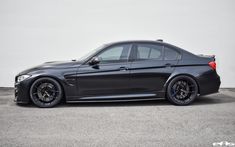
(46,92)
(182,90)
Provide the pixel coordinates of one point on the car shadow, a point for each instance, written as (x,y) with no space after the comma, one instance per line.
(213,99)
(160,102)
(202,100)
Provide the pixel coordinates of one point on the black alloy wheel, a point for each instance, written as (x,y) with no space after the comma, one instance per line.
(46,92)
(182,90)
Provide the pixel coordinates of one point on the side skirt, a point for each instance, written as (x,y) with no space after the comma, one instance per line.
(117,98)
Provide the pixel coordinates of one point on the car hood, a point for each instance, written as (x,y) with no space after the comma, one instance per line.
(59,64)
(52,65)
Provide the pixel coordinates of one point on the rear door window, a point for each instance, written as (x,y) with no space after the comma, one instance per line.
(171,54)
(149,52)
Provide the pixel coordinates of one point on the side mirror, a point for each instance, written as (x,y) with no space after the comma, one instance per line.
(94,61)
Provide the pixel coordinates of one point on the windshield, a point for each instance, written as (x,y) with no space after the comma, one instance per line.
(84,57)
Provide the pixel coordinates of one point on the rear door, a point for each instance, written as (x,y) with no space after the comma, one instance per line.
(150,67)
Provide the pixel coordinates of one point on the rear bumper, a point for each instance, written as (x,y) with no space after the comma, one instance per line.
(209,83)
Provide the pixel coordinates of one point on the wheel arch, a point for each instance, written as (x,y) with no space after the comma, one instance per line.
(52,77)
(180,74)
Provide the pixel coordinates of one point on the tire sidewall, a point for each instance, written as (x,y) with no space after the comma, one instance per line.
(180,102)
(55,101)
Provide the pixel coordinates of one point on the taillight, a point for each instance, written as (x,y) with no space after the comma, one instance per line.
(212,64)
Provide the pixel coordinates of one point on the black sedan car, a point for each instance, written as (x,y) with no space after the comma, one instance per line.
(121,71)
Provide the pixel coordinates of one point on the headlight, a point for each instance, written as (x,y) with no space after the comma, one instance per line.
(22,78)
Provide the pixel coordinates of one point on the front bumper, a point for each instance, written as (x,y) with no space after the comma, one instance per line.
(22,92)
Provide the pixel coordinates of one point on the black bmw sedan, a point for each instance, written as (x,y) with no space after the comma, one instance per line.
(121,71)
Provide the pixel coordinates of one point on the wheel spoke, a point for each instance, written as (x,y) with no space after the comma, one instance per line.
(182,89)
(45,92)
(174,93)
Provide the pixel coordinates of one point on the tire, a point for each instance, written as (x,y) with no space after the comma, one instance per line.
(46,92)
(182,90)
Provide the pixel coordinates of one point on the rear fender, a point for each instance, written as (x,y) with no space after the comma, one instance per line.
(193,72)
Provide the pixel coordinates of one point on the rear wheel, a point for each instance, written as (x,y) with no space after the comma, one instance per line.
(182,90)
(46,92)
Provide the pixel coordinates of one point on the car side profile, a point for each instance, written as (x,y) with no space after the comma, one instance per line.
(121,71)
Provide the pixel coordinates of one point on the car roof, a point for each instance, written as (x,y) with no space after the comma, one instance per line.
(136,41)
(144,41)
(160,41)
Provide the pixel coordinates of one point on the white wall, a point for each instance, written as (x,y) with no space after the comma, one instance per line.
(36,31)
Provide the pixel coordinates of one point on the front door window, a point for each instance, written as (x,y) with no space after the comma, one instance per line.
(118,53)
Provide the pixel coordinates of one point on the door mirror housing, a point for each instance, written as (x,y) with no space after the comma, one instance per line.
(95,60)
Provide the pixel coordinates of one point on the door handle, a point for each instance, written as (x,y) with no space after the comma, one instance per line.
(123,68)
(168,65)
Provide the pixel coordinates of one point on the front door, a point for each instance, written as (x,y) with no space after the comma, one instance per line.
(109,77)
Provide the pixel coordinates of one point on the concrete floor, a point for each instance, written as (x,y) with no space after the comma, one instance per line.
(154,123)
